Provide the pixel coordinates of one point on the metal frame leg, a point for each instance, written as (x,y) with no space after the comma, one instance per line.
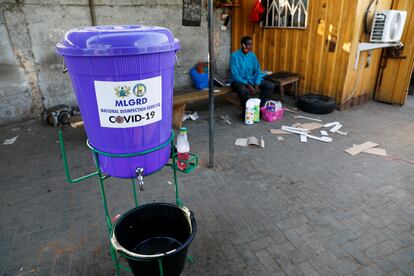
(134,190)
(102,178)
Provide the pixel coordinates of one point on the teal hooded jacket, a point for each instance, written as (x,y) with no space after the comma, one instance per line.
(245,68)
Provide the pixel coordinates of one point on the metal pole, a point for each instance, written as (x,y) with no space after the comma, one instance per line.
(92,10)
(212,65)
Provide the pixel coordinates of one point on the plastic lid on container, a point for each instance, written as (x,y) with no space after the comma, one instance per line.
(117,40)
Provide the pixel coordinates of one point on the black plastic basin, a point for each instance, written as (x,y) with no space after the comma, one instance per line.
(155,234)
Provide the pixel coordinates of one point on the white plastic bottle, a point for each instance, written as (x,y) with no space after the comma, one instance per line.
(183,148)
(249,114)
(256,110)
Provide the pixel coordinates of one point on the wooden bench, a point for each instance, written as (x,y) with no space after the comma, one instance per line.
(180,101)
(283,79)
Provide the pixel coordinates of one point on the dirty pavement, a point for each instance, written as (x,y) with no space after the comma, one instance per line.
(290,208)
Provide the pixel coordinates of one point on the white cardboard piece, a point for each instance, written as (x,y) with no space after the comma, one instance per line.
(10,141)
(336,128)
(307,118)
(325,139)
(226,119)
(311,126)
(342,133)
(290,110)
(250,141)
(331,124)
(293,130)
(376,151)
(361,147)
(303,139)
(278,131)
(307,127)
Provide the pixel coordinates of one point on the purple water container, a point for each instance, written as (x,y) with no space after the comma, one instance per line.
(123,77)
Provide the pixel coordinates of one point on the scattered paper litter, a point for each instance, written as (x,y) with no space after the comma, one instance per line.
(287,128)
(361,147)
(336,128)
(250,141)
(324,133)
(303,139)
(10,141)
(307,126)
(190,115)
(290,110)
(226,119)
(331,124)
(241,142)
(342,133)
(376,151)
(278,131)
(325,139)
(78,124)
(311,126)
(294,130)
(307,118)
(280,138)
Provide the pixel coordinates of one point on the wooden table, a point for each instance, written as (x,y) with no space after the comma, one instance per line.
(284,78)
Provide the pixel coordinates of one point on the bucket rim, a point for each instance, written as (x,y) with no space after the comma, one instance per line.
(117,40)
(134,256)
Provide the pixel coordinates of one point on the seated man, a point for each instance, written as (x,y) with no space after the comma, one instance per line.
(247,76)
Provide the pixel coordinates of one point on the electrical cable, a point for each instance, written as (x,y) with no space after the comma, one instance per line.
(356,83)
(367,30)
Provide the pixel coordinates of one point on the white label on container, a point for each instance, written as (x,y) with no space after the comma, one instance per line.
(128,104)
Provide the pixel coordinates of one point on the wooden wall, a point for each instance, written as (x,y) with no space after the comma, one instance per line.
(362,81)
(391,84)
(304,51)
(395,79)
(326,70)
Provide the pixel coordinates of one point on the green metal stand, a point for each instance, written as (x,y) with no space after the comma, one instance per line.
(191,164)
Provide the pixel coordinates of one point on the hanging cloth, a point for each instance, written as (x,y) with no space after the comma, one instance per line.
(257,12)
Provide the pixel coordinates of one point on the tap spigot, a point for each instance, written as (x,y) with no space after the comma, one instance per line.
(140,178)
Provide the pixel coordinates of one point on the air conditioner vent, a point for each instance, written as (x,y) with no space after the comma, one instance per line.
(388,26)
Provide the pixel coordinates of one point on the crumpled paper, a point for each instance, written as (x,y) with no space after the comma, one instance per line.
(190,115)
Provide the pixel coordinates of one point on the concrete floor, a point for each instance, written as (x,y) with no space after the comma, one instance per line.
(289,209)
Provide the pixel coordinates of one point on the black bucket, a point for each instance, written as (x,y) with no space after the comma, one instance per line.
(155,237)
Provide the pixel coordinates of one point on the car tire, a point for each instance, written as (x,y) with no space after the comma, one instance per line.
(316,104)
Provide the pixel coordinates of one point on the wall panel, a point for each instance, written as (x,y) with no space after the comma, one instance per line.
(324,53)
(395,78)
(361,81)
(303,51)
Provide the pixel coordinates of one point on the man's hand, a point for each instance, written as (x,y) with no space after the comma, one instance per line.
(251,89)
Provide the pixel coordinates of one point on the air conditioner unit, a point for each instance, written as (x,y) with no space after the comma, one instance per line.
(388,26)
